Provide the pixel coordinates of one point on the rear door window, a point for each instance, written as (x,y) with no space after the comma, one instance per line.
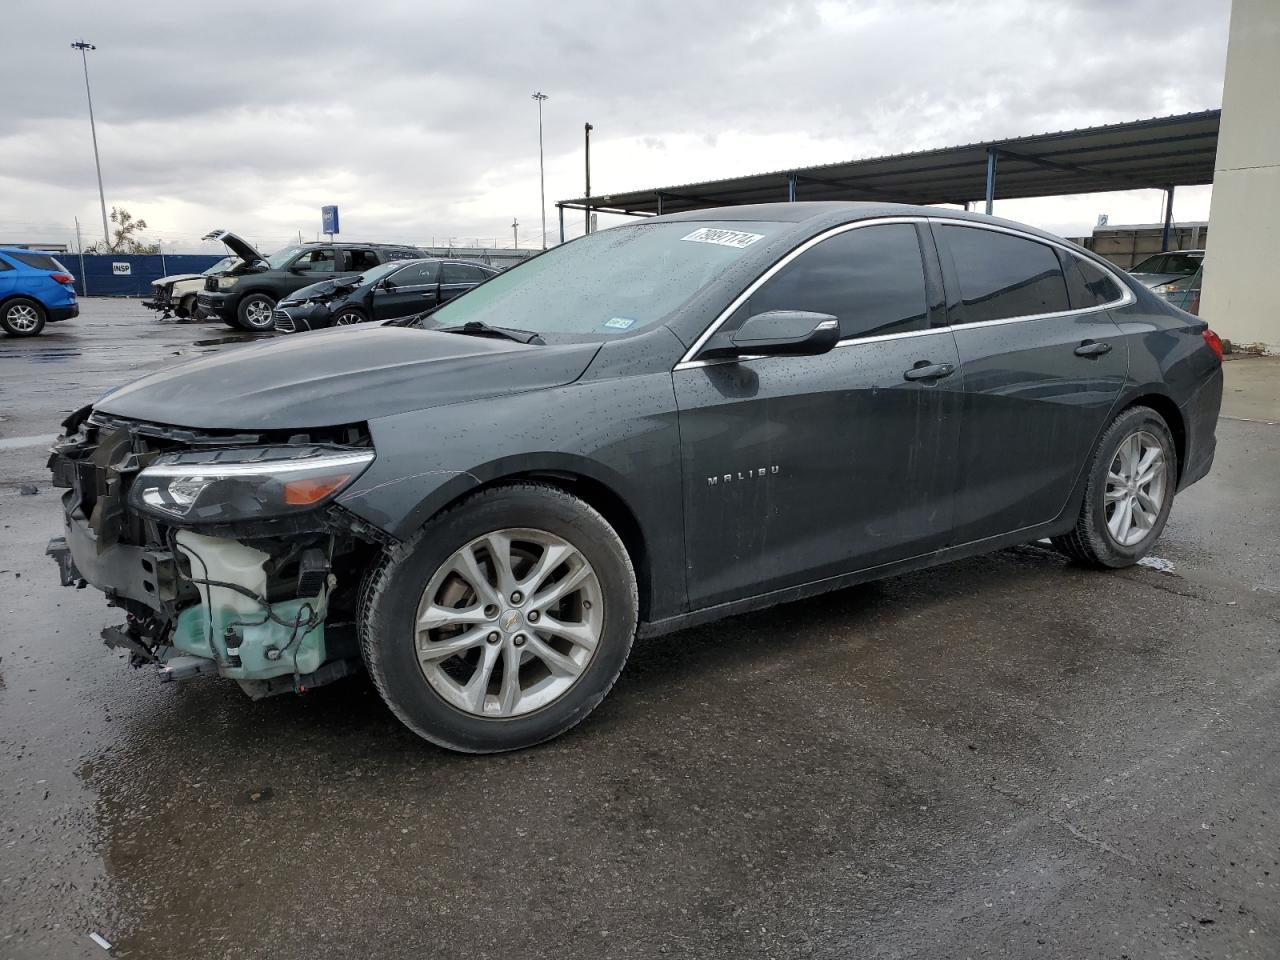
(361,260)
(461,273)
(1088,284)
(39,261)
(870,278)
(1002,276)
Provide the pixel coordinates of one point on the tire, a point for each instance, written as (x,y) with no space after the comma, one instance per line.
(254,312)
(1094,541)
(425,694)
(22,317)
(348,316)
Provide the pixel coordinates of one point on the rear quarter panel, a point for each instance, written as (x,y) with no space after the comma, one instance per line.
(1169,358)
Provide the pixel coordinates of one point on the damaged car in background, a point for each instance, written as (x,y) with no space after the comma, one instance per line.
(653,426)
(176,295)
(398,288)
(245,295)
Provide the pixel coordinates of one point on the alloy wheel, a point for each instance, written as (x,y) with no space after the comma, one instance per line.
(1136,488)
(257,314)
(509,623)
(23,318)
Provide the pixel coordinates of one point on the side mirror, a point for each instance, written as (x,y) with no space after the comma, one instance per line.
(794,333)
(386,283)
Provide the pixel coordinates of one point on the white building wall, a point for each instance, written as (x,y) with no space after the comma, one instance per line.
(1241,294)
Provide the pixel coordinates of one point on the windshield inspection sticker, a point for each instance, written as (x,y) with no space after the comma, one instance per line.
(619,323)
(725,238)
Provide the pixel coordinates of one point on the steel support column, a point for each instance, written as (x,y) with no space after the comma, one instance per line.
(560,210)
(659,196)
(791,187)
(1168,218)
(992,154)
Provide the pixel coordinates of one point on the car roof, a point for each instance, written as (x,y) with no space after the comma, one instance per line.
(815,216)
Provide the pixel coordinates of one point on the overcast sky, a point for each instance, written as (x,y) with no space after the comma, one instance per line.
(416,117)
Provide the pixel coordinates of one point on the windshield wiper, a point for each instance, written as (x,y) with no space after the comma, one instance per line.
(478,328)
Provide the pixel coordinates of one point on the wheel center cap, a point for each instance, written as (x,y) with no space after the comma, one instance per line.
(510,619)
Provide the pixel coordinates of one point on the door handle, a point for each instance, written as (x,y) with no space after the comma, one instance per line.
(924,370)
(1093,348)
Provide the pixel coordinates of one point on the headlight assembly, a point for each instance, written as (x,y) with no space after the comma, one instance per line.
(226,283)
(220,486)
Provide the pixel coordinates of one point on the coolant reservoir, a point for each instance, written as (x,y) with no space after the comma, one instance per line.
(213,558)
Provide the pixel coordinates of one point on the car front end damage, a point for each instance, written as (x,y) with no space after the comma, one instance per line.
(225,550)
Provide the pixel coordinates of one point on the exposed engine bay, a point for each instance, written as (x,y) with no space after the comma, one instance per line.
(224,549)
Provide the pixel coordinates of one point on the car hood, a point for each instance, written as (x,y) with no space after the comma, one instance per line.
(340,376)
(323,289)
(176,278)
(236,245)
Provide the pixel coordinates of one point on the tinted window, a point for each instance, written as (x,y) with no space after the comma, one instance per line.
(5,265)
(416,274)
(362,260)
(1088,284)
(1004,276)
(461,273)
(871,278)
(315,261)
(40,261)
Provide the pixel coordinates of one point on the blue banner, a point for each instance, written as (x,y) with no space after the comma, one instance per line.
(129,275)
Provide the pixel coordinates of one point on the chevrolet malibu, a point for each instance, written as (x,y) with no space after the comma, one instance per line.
(654,426)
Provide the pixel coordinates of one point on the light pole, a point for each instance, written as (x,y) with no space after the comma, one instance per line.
(542,178)
(515,234)
(586,132)
(93,130)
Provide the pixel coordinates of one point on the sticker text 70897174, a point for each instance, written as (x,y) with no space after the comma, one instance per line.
(725,238)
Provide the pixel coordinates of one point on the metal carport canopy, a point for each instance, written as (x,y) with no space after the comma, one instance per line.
(1159,153)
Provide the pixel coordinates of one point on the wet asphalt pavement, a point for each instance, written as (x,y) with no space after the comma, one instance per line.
(1006,757)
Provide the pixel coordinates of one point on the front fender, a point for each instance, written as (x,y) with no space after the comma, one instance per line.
(621,434)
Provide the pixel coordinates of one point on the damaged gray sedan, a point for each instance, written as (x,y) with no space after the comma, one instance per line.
(651,427)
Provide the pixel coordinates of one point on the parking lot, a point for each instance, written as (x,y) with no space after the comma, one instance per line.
(1006,757)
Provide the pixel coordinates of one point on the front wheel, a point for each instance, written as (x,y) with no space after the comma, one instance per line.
(348,316)
(22,317)
(1129,493)
(254,312)
(506,621)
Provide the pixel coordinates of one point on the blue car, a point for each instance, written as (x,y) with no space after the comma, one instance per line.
(35,289)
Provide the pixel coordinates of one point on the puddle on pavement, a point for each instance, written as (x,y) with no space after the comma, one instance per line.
(41,354)
(218,341)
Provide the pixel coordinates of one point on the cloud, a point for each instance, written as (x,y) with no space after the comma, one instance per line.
(417,118)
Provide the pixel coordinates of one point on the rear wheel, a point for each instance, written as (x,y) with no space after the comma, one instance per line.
(254,312)
(22,317)
(1129,492)
(505,623)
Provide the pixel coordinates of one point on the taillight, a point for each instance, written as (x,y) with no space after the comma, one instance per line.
(63,277)
(1214,342)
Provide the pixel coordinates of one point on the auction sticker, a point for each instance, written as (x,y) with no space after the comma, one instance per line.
(725,238)
(619,323)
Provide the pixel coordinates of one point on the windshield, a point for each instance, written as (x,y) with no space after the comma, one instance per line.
(278,259)
(380,271)
(1183,263)
(226,263)
(610,283)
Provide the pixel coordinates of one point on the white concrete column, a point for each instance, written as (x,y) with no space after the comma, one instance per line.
(1240,297)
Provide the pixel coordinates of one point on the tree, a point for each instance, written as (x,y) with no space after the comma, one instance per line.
(124,236)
